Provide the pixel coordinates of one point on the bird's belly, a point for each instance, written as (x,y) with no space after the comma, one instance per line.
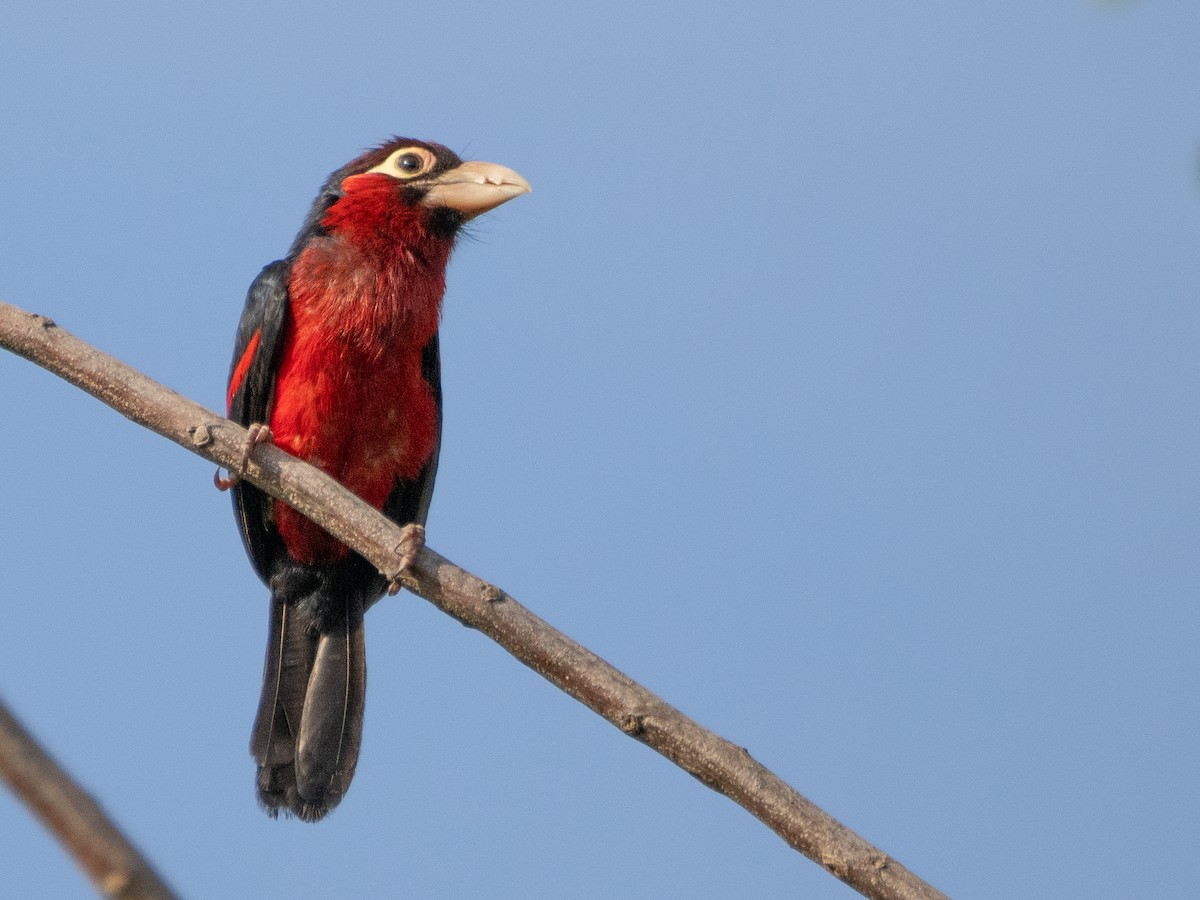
(367,425)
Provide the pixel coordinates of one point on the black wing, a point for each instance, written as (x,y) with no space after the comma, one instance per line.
(409,499)
(265,315)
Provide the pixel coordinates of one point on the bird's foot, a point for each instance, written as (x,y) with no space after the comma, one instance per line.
(412,542)
(258,433)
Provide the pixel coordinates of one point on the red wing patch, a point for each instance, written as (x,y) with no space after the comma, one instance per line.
(240,370)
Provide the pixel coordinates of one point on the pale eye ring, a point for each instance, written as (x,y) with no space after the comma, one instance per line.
(406,163)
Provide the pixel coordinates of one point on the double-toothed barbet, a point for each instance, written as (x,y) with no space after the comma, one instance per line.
(337,355)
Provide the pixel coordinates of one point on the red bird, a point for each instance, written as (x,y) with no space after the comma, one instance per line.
(337,353)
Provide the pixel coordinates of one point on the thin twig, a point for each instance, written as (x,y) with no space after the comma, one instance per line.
(721,765)
(114,865)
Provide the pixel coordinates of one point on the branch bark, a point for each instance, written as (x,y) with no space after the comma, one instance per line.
(723,766)
(114,865)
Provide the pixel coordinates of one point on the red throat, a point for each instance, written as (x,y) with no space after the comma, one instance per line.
(350,395)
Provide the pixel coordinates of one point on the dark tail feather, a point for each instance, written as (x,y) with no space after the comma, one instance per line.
(309,725)
(273,741)
(331,723)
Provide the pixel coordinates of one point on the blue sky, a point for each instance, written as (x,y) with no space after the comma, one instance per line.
(838,381)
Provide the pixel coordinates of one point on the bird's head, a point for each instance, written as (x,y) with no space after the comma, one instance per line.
(412,184)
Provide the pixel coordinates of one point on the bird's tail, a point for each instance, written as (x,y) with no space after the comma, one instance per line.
(309,725)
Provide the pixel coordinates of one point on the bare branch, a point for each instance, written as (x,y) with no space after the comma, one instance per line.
(721,765)
(114,865)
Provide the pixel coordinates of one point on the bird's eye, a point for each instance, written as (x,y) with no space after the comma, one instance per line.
(409,163)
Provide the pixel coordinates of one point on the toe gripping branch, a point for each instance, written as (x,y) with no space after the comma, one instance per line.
(412,542)
(257,433)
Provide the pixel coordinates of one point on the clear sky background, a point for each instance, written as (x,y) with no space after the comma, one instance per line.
(838,382)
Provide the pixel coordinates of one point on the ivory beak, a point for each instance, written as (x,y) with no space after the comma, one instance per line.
(475,187)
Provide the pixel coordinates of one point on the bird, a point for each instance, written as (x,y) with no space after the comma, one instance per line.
(336,361)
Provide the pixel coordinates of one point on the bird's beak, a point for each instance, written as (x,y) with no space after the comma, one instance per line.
(475,187)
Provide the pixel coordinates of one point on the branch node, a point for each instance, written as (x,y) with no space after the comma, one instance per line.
(835,866)
(45,321)
(632,725)
(115,884)
(491,594)
(201,435)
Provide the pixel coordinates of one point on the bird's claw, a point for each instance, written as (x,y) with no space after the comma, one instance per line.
(257,433)
(412,542)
